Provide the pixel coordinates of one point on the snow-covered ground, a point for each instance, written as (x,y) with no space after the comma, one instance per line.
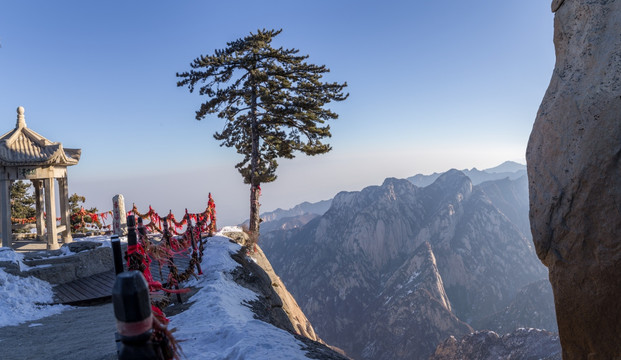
(23,299)
(217,326)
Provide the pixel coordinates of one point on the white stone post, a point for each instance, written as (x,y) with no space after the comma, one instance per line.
(50,209)
(119,216)
(38,186)
(63,193)
(5,213)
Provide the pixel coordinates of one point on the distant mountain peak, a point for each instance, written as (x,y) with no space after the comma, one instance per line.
(507,167)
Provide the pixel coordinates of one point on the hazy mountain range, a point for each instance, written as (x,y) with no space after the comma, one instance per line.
(300,214)
(392,271)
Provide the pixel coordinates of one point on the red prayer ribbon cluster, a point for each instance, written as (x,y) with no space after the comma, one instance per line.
(205,221)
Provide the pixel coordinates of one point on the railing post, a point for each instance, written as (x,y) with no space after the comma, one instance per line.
(171,262)
(116,254)
(131,231)
(190,229)
(134,321)
(142,230)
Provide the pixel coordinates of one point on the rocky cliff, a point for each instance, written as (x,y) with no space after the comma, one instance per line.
(275,304)
(488,345)
(574,172)
(532,306)
(392,270)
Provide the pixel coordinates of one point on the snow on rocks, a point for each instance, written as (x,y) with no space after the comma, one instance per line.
(219,325)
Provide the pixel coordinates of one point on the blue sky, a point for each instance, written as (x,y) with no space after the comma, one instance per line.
(433,85)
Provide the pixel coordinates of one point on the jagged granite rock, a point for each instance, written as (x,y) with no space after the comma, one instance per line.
(532,307)
(275,304)
(342,266)
(511,198)
(574,170)
(482,256)
(412,315)
(487,345)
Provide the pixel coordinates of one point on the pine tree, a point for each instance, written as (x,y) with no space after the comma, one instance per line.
(80,217)
(272,101)
(75,203)
(22,201)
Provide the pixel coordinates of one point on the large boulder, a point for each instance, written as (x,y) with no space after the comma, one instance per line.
(574,172)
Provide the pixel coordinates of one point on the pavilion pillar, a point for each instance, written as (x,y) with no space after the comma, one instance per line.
(63,193)
(38,187)
(5,212)
(50,209)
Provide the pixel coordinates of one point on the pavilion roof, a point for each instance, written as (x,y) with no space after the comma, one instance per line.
(24,147)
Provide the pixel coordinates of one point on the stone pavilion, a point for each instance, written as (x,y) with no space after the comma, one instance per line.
(26,155)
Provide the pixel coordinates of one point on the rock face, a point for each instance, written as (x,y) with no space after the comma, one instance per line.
(533,306)
(487,345)
(275,304)
(574,171)
(391,271)
(412,313)
(511,198)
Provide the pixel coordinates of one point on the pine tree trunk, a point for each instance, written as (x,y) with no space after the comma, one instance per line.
(255,190)
(255,193)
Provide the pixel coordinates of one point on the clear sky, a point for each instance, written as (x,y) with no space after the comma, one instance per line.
(433,85)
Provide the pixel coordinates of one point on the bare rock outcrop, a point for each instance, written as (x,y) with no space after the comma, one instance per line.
(274,303)
(574,171)
(488,345)
(532,307)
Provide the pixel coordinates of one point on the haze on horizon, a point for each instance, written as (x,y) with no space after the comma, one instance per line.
(433,86)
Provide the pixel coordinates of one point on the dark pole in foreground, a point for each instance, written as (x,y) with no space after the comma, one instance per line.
(116,254)
(131,230)
(134,322)
(142,230)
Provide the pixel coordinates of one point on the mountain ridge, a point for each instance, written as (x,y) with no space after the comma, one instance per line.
(339,262)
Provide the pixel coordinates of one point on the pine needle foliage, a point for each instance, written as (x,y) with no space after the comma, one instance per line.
(273,102)
(22,200)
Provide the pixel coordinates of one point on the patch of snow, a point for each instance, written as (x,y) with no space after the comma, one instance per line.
(64,250)
(220,325)
(413,277)
(104,239)
(22,299)
(388,300)
(230,229)
(38,267)
(35,324)
(10,255)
